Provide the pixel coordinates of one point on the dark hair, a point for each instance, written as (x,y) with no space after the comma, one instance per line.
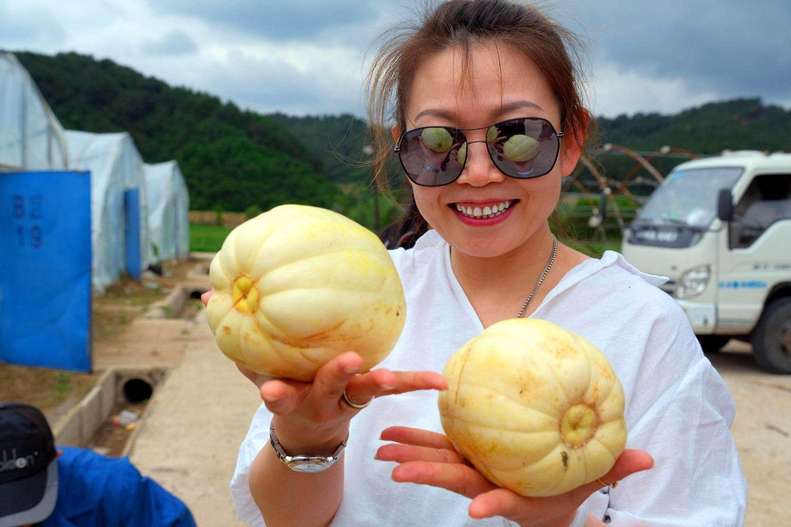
(463,23)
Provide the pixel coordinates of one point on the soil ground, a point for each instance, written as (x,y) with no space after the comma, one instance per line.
(121,338)
(762,430)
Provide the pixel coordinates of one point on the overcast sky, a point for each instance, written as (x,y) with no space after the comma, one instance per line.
(309,56)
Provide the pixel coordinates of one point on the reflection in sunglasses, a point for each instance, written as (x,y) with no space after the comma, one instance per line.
(437,139)
(520,148)
(524,147)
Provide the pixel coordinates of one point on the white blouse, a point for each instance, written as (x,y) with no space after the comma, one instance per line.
(677,406)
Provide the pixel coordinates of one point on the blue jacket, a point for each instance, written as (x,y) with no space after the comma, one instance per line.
(95,490)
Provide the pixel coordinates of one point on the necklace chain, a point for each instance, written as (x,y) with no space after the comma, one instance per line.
(541,278)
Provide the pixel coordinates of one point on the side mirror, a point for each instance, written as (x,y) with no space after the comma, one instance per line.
(725,205)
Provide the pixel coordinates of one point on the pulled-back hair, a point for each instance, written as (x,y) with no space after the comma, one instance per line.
(462,23)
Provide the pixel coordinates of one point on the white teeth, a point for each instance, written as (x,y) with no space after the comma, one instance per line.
(489,211)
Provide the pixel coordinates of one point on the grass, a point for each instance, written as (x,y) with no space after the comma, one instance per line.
(594,249)
(43,388)
(207,238)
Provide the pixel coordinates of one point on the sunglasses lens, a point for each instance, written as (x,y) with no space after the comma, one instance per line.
(432,156)
(523,148)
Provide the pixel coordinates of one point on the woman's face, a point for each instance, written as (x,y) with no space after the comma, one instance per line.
(500,84)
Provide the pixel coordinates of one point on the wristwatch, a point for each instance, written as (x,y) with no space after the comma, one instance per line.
(303,463)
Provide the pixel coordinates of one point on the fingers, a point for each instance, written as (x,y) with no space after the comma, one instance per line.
(362,388)
(455,477)
(498,502)
(503,502)
(283,397)
(332,378)
(416,437)
(410,381)
(205,297)
(629,462)
(556,510)
(376,383)
(405,453)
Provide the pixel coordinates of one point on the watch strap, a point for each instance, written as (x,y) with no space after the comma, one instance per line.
(293,461)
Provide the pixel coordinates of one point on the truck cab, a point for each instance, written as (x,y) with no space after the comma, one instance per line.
(720,229)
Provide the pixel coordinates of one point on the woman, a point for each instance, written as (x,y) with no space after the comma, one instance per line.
(474,78)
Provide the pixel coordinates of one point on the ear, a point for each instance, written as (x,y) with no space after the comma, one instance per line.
(570,153)
(395,131)
(572,146)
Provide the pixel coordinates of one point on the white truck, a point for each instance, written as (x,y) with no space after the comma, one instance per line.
(720,229)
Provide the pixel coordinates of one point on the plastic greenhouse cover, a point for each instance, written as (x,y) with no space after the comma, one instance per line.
(31,138)
(168,211)
(116,166)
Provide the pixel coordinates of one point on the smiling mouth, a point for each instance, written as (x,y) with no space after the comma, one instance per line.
(483,212)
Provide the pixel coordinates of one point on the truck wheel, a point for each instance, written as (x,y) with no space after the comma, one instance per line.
(712,343)
(772,337)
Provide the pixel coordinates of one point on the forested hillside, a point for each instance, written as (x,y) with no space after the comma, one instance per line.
(230,158)
(233,159)
(739,124)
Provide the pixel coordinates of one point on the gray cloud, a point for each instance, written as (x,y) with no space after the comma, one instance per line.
(729,47)
(23,25)
(305,56)
(173,43)
(271,84)
(297,20)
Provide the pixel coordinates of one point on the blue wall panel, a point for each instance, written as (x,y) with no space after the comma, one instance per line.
(132,233)
(45,269)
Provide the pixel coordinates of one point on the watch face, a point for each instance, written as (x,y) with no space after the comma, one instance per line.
(310,465)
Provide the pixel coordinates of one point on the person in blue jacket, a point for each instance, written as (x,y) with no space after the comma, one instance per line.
(73,487)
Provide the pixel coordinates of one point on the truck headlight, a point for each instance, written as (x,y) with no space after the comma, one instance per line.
(693,282)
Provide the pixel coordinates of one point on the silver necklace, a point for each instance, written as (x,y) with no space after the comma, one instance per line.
(541,278)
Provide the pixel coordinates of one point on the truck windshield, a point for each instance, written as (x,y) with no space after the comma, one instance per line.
(688,198)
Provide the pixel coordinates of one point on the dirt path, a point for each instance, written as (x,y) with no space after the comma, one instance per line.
(194,426)
(762,430)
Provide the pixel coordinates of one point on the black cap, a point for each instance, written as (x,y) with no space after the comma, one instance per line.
(28,466)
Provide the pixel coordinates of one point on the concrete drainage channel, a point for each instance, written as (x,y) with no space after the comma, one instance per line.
(89,423)
(110,416)
(178,303)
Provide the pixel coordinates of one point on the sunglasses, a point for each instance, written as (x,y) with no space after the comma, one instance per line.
(522,148)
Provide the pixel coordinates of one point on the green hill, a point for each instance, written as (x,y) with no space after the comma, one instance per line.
(738,124)
(233,159)
(338,140)
(230,158)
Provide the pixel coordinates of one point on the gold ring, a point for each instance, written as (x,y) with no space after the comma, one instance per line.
(604,484)
(356,406)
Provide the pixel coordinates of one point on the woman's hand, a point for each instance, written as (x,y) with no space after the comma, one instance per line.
(429,458)
(312,417)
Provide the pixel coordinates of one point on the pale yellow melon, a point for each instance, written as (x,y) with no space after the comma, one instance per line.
(298,285)
(535,408)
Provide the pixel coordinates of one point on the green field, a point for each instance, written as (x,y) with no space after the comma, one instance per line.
(207,238)
(594,249)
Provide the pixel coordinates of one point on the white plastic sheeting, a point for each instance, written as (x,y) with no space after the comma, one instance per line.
(31,137)
(115,166)
(168,211)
